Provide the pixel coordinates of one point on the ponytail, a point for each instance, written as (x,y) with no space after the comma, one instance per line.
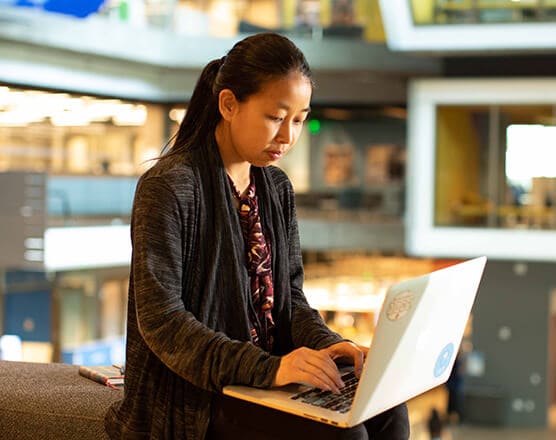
(202,113)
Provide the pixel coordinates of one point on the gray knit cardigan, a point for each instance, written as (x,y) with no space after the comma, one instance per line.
(187,322)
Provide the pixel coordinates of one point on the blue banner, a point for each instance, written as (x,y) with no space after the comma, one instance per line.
(76,8)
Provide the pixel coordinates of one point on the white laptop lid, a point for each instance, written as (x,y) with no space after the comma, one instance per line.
(418,334)
(419,331)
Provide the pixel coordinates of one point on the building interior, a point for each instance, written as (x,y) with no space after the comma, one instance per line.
(430,141)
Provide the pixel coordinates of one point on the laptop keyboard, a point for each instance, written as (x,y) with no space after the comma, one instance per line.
(327,399)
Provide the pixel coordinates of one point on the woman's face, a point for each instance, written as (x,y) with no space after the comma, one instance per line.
(265,126)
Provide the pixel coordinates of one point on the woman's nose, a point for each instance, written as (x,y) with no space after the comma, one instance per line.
(286,134)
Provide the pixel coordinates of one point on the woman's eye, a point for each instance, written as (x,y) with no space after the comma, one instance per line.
(275,118)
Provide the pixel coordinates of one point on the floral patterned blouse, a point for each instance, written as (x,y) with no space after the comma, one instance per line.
(259,267)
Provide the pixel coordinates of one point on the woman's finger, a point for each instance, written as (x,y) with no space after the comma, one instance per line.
(322,369)
(309,366)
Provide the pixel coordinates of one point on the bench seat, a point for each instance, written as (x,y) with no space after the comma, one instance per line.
(51,401)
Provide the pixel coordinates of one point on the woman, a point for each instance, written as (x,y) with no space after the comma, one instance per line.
(215,293)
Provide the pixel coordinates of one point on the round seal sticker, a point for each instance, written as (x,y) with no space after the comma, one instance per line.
(400,305)
(443,360)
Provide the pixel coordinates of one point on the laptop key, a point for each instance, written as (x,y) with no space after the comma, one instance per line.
(326,399)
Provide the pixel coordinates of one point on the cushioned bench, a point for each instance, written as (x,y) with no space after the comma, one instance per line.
(51,401)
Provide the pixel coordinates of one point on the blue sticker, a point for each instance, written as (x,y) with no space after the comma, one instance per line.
(443,361)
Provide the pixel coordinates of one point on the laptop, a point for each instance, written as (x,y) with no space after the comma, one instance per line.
(417,337)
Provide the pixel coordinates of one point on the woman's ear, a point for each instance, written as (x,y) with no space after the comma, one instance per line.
(227,103)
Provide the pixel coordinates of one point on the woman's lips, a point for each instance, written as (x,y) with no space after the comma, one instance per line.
(275,155)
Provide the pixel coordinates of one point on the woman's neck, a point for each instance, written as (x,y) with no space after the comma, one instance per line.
(240,177)
(238,170)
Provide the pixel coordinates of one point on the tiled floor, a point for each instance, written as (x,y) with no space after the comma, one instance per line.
(420,407)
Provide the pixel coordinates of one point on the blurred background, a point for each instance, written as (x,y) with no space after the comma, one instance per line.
(432,139)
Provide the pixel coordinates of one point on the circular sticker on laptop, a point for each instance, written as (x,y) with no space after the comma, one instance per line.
(443,360)
(400,305)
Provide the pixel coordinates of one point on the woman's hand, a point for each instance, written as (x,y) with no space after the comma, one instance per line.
(318,367)
(314,367)
(348,352)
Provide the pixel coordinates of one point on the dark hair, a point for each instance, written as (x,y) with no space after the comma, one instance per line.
(248,65)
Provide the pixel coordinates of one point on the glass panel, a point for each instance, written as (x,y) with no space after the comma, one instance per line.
(113,299)
(355,164)
(92,150)
(494,166)
(228,18)
(423,11)
(91,317)
(79,321)
(427,12)
(61,133)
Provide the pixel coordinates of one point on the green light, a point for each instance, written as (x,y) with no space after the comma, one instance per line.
(314,126)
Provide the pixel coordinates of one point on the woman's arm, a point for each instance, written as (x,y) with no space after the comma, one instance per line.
(207,359)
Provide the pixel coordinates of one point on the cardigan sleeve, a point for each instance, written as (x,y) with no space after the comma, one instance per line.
(307,326)
(205,358)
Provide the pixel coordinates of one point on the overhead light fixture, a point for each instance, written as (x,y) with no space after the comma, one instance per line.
(69,119)
(16,118)
(130,114)
(177,114)
(19,108)
(102,110)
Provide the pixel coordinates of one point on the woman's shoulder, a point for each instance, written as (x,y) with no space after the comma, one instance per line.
(172,171)
(170,180)
(279,178)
